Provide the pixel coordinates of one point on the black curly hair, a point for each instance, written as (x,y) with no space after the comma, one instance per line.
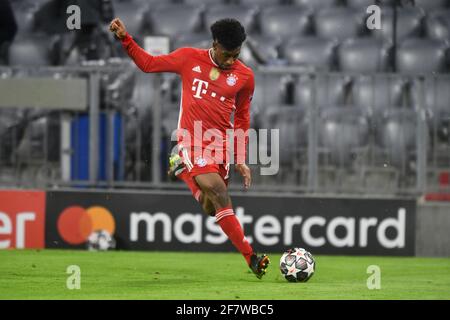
(229,33)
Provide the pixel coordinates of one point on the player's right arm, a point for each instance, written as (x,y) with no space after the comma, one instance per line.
(172,62)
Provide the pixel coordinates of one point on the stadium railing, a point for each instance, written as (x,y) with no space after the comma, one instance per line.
(121,137)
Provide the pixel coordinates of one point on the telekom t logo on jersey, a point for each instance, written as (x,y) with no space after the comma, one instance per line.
(200,88)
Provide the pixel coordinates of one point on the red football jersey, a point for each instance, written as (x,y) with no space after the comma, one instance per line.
(209,94)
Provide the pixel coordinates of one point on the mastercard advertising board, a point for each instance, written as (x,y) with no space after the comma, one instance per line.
(173,221)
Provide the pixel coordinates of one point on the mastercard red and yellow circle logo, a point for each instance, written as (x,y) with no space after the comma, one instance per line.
(75,224)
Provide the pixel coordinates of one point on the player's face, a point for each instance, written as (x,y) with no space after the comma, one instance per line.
(225,58)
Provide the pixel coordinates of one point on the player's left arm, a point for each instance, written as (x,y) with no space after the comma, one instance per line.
(242,122)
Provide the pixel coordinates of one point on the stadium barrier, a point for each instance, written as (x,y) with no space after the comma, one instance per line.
(172,221)
(129,117)
(432,229)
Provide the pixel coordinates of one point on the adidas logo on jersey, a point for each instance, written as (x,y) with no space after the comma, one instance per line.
(197,69)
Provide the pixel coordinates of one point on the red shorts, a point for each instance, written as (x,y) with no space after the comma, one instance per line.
(198,165)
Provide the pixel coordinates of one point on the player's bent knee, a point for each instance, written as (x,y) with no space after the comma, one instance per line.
(208,208)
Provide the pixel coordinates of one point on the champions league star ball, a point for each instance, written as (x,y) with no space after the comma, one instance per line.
(101,240)
(297,265)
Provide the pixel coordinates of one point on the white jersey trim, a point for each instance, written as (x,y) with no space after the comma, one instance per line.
(210,57)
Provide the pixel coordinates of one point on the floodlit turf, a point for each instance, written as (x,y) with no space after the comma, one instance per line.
(41,274)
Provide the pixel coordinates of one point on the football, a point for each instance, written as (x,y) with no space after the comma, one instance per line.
(101,240)
(297,265)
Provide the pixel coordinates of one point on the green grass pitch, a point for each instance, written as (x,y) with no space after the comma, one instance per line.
(41,274)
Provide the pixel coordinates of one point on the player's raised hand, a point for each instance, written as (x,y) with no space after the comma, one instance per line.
(118,28)
(245,172)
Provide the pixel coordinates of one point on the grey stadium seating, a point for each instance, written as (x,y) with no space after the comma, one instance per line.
(292,125)
(339,23)
(436,93)
(260,3)
(316,4)
(409,23)
(143,94)
(260,49)
(342,132)
(431,4)
(244,14)
(437,104)
(196,40)
(270,90)
(364,55)
(438,25)
(285,22)
(203,2)
(377,93)
(358,4)
(132,13)
(24,15)
(422,56)
(174,19)
(311,51)
(332,90)
(30,51)
(396,135)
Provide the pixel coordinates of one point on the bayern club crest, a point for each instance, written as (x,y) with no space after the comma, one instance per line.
(231,80)
(201,162)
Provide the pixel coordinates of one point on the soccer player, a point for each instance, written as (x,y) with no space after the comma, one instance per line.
(214,85)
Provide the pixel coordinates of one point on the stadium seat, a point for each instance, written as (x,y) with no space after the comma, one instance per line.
(409,23)
(244,14)
(376,93)
(436,90)
(331,90)
(339,23)
(170,121)
(30,51)
(311,51)
(151,3)
(364,55)
(270,89)
(292,125)
(396,135)
(316,4)
(431,4)
(260,3)
(437,104)
(342,132)
(25,21)
(359,4)
(195,40)
(438,25)
(24,12)
(422,56)
(174,19)
(203,2)
(143,94)
(285,22)
(260,49)
(132,13)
